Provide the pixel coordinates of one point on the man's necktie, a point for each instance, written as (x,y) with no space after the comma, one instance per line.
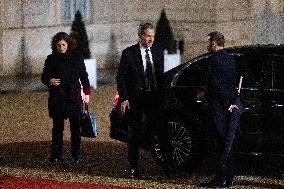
(148,73)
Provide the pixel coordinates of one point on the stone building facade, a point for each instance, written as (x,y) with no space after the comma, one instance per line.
(26,26)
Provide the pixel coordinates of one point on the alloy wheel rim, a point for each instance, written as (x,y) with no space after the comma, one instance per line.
(181,142)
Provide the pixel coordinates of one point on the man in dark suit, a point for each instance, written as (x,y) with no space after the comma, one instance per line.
(139,83)
(220,94)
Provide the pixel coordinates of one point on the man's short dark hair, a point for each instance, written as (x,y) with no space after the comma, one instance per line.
(218,37)
(143,26)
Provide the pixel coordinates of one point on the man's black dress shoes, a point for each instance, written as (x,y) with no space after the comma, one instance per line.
(134,174)
(218,183)
(55,160)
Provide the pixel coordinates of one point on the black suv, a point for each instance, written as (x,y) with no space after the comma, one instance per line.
(183,132)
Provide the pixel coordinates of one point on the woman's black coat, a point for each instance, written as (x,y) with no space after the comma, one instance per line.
(65,99)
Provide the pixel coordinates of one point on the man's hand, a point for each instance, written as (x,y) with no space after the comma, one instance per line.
(124,105)
(200,94)
(86,99)
(54,82)
(232,107)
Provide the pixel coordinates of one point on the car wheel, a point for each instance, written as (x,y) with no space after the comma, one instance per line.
(172,145)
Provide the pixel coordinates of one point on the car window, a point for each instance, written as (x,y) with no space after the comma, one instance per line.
(274,72)
(195,74)
(250,68)
(279,73)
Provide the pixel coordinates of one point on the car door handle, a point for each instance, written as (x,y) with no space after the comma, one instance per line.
(199,99)
(276,104)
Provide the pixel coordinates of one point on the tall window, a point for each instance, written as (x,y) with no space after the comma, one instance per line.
(70,7)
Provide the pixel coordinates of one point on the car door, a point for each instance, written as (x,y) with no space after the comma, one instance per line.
(191,80)
(249,134)
(273,104)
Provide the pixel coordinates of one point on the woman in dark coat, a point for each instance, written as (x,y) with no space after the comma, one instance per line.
(62,73)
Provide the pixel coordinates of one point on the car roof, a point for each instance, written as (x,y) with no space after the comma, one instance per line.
(257,50)
(277,49)
(253,50)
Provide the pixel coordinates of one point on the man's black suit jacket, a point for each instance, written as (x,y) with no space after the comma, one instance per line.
(131,78)
(221,88)
(221,79)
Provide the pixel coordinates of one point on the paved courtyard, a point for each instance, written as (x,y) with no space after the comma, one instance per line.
(25,142)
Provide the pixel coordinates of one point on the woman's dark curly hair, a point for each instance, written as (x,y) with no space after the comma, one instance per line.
(58,37)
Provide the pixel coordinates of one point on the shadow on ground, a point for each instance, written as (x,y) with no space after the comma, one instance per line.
(103,159)
(264,166)
(110,159)
(97,158)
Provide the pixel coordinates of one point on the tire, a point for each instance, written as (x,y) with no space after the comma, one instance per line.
(172,145)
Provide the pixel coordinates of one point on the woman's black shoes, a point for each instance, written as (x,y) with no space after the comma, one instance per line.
(134,174)
(76,161)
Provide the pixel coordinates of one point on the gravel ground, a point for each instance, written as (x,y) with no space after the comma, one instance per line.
(25,143)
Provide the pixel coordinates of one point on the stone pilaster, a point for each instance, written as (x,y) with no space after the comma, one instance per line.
(1,35)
